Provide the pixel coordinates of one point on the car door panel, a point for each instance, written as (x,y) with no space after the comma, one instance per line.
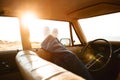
(8,67)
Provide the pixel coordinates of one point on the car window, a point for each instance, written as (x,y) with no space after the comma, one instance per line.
(40,29)
(9,33)
(106,26)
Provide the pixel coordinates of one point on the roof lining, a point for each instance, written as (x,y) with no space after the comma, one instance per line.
(110,3)
(92,6)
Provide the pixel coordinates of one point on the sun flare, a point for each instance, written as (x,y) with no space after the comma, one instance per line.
(28,18)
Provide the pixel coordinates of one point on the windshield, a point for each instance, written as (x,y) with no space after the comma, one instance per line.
(106,26)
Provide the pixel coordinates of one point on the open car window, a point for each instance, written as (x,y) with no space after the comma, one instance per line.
(10,33)
(40,29)
(106,26)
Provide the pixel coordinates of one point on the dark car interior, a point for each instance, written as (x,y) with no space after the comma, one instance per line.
(20,64)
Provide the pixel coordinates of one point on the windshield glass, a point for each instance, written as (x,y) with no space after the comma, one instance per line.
(106,26)
(9,33)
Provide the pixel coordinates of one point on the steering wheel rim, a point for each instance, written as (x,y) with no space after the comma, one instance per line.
(99,55)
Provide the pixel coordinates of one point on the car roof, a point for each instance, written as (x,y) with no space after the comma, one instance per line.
(59,9)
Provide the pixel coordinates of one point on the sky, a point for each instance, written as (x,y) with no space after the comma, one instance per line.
(9,29)
(106,26)
(93,27)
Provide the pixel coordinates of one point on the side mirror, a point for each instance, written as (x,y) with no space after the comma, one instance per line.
(65,41)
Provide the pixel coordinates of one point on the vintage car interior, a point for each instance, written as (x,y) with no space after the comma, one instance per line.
(48,40)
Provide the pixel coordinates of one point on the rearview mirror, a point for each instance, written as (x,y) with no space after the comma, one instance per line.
(65,41)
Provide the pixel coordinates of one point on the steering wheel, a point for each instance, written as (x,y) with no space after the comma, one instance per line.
(97,54)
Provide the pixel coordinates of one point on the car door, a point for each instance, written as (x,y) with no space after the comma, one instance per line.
(10,45)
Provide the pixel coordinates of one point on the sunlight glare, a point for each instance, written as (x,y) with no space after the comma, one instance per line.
(28,18)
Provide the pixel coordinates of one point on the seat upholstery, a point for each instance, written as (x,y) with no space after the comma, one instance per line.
(118,78)
(32,67)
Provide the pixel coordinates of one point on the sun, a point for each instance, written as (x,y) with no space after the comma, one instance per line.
(28,18)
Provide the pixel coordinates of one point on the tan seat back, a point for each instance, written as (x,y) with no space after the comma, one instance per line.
(32,67)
